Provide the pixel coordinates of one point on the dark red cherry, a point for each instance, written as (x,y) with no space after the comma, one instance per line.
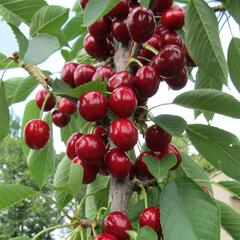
(116,224)
(83,3)
(117,163)
(189,60)
(120,10)
(160,6)
(132,5)
(89,171)
(103,73)
(123,102)
(40,97)
(91,149)
(173,19)
(120,79)
(120,31)
(83,74)
(66,106)
(171,38)
(36,134)
(161,31)
(157,138)
(68,72)
(147,81)
(123,133)
(141,24)
(92,106)
(59,119)
(70,149)
(105,236)
(101,132)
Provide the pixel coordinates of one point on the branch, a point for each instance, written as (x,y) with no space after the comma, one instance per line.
(219,8)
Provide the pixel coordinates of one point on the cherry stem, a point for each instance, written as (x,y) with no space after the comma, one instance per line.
(93,231)
(85,126)
(160,105)
(43,106)
(143,58)
(81,233)
(99,212)
(134,60)
(143,191)
(151,49)
(6,68)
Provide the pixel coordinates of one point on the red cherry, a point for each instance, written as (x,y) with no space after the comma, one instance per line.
(59,119)
(101,132)
(120,31)
(91,149)
(123,102)
(83,74)
(141,24)
(89,171)
(36,134)
(66,106)
(123,133)
(103,73)
(40,97)
(160,6)
(189,60)
(117,163)
(151,217)
(92,106)
(133,5)
(83,3)
(147,81)
(105,236)
(161,31)
(171,38)
(68,72)
(70,149)
(120,10)
(120,79)
(117,223)
(173,19)
(157,139)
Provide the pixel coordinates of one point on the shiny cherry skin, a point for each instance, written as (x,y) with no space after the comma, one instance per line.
(161,31)
(70,146)
(120,10)
(151,217)
(83,3)
(132,5)
(123,102)
(36,134)
(59,119)
(120,79)
(169,61)
(117,163)
(40,97)
(101,132)
(105,236)
(103,73)
(83,74)
(160,6)
(66,106)
(67,73)
(141,24)
(171,38)
(123,133)
(157,138)
(92,106)
(173,19)
(91,149)
(120,31)
(116,224)
(89,172)
(147,81)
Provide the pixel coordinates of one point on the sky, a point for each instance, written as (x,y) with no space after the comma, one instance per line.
(8,45)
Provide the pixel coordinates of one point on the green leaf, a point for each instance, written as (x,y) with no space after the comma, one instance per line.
(5,62)
(232,186)
(75,178)
(132,234)
(219,147)
(210,100)
(147,233)
(233,7)
(145,3)
(203,40)
(188,213)
(12,193)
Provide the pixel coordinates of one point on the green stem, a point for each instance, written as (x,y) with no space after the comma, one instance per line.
(134,60)
(99,212)
(93,231)
(43,106)
(81,234)
(5,69)
(151,49)
(143,191)
(160,105)
(143,58)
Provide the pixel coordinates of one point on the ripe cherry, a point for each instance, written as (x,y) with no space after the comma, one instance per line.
(83,3)
(123,102)
(147,81)
(157,138)
(36,134)
(171,38)
(92,106)
(40,97)
(70,149)
(101,132)
(103,73)
(161,31)
(123,133)
(120,10)
(105,236)
(189,60)
(120,31)
(68,72)
(91,149)
(160,6)
(83,74)
(59,119)
(173,19)
(141,24)
(132,5)
(66,106)
(116,224)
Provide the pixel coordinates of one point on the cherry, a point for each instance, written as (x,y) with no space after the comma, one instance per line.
(92,106)
(141,24)
(66,106)
(118,163)
(147,81)
(160,6)
(91,149)
(133,5)
(59,119)
(103,73)
(40,97)
(70,149)
(83,3)
(161,31)
(36,134)
(68,72)
(123,133)
(120,79)
(120,10)
(101,28)
(89,171)
(123,102)
(101,132)
(169,61)
(189,60)
(120,31)
(173,19)
(105,236)
(171,38)
(117,223)
(178,82)
(151,217)
(157,138)
(83,74)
